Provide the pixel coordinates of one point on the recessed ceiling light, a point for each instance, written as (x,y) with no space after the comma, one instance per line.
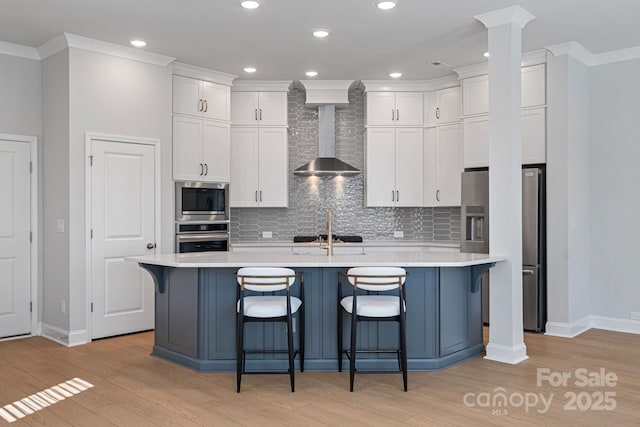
(386,4)
(321,33)
(486,54)
(249,70)
(395,75)
(311,73)
(250,4)
(138,43)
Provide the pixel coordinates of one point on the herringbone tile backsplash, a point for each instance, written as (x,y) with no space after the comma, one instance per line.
(311,197)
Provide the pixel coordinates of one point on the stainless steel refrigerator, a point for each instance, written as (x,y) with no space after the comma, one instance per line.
(475,238)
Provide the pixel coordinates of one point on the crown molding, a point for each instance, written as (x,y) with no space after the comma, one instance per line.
(617,55)
(261,86)
(534,57)
(394,85)
(19,50)
(66,40)
(203,74)
(574,50)
(509,15)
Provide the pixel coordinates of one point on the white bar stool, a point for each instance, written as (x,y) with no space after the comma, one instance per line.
(268,308)
(376,308)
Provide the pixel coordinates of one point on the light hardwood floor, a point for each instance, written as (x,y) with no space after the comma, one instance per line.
(133,388)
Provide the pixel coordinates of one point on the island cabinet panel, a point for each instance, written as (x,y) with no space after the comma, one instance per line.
(196,316)
(176,325)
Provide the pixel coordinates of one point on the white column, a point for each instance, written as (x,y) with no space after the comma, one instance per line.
(506,340)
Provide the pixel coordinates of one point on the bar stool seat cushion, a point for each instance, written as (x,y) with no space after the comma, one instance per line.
(374,305)
(268,306)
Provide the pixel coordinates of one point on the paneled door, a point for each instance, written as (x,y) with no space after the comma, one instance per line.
(15,251)
(123,223)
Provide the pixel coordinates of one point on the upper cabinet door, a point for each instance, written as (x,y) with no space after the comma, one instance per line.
(380,167)
(273,175)
(272,108)
(215,151)
(409,109)
(533,86)
(381,108)
(186,96)
(409,168)
(475,95)
(187,149)
(244,108)
(216,100)
(243,189)
(450,167)
(448,105)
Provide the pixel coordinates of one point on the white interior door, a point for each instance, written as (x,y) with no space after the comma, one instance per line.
(123,224)
(15,256)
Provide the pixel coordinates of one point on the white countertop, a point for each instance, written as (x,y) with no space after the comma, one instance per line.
(279,259)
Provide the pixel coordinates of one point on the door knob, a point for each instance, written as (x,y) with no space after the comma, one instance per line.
(151,245)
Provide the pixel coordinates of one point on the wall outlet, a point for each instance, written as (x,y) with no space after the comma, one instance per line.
(60,226)
(635,315)
(267,235)
(398,234)
(63,306)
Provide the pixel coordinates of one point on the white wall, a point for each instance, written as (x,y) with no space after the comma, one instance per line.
(20,103)
(568,192)
(615,189)
(55,166)
(117,96)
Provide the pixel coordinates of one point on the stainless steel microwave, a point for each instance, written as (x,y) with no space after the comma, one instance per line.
(202,201)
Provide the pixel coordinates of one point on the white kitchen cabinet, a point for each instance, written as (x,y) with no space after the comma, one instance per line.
(259,172)
(394,108)
(200,150)
(443,165)
(259,108)
(394,170)
(201,98)
(475,91)
(475,132)
(442,106)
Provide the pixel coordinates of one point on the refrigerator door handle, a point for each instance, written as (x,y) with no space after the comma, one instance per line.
(527,272)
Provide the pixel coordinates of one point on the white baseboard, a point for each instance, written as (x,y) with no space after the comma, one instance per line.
(64,337)
(506,354)
(616,324)
(568,330)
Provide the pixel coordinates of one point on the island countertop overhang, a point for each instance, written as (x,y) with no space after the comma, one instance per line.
(279,259)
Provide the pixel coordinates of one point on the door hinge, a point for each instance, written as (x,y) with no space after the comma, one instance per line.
(92,307)
(30,167)
(30,306)
(92,233)
(90,160)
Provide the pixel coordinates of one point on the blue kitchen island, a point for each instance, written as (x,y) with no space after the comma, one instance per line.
(195,303)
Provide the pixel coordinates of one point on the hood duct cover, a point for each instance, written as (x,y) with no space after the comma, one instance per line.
(326,163)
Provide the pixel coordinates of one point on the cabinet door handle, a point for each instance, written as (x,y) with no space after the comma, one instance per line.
(393,114)
(397,114)
(256,114)
(206,105)
(200,105)
(438,195)
(397,195)
(256,195)
(438,113)
(261,195)
(201,169)
(393,196)
(260,114)
(206,169)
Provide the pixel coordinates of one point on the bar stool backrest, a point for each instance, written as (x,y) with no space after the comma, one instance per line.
(266,279)
(377,278)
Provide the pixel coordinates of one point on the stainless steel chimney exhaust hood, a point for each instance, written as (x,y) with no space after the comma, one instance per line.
(326,94)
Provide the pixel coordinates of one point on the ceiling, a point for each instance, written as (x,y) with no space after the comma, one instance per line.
(365,43)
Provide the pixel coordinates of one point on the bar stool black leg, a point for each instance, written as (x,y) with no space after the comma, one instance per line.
(403,348)
(340,315)
(239,350)
(291,352)
(301,336)
(352,353)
